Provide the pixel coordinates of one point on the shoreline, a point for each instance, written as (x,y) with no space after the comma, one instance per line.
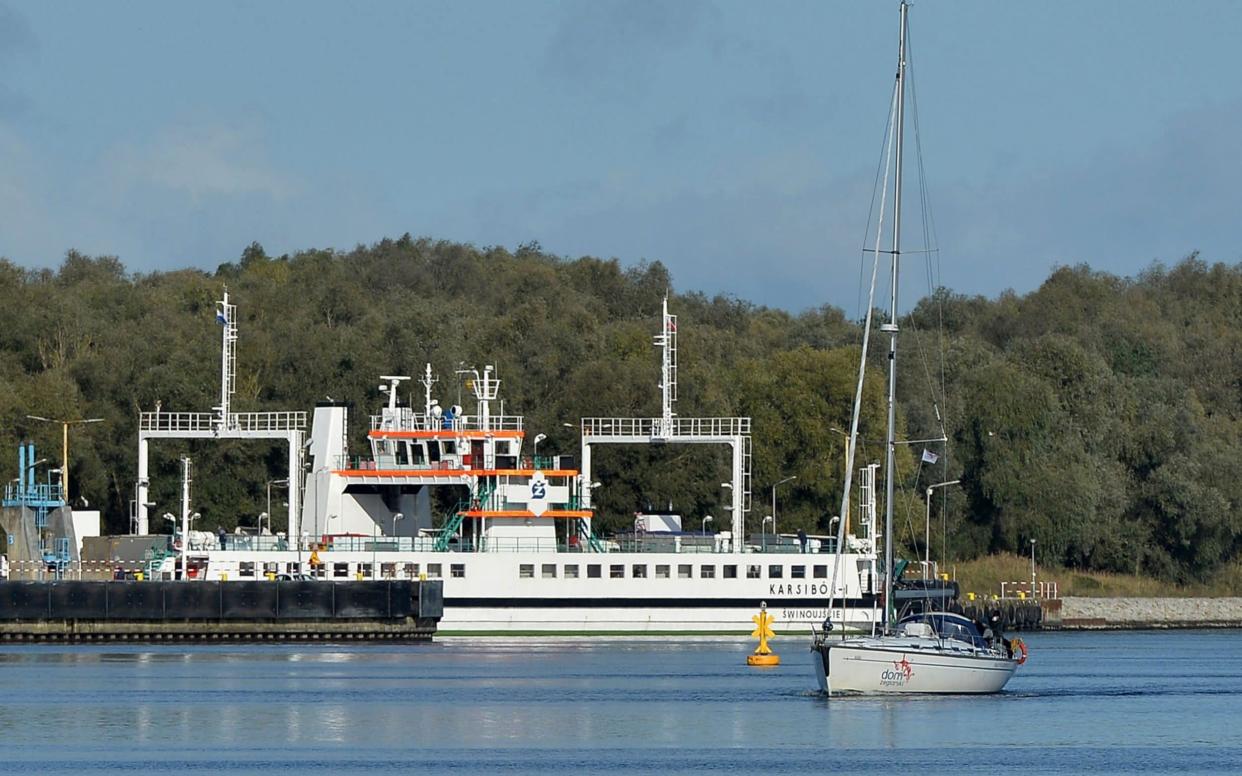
(1133,613)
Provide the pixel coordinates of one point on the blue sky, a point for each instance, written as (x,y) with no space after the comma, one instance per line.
(734,141)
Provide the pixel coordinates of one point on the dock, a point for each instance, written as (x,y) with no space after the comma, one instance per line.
(241,611)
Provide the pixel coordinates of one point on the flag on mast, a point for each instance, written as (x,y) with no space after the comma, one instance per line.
(929,456)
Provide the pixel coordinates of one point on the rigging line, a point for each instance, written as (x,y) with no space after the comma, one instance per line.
(932,240)
(939,398)
(881,168)
(862,359)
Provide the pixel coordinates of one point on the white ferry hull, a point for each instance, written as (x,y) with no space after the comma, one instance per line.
(508,594)
(725,620)
(869,667)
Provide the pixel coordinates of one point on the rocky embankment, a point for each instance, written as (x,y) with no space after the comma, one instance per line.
(1078,613)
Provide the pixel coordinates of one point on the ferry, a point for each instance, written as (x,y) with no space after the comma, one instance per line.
(518,553)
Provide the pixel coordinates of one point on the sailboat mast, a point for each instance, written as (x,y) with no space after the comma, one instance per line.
(891,448)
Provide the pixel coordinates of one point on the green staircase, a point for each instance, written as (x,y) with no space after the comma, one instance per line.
(587,535)
(453,521)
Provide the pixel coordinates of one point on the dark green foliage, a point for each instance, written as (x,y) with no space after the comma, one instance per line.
(1097,415)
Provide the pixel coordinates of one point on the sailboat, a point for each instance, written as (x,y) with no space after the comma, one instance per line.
(928,652)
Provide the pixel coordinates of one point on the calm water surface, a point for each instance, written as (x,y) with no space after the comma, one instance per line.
(1103,702)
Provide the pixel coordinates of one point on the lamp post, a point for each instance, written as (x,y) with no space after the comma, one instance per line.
(764,530)
(64,450)
(706,520)
(774,487)
(927,524)
(268,513)
(534,448)
(259,523)
(1032,568)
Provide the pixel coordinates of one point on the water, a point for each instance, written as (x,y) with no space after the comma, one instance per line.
(1151,702)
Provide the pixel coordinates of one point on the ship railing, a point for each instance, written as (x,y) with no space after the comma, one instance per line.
(43,493)
(377,544)
(408,420)
(389,463)
(248,542)
(181,422)
(658,427)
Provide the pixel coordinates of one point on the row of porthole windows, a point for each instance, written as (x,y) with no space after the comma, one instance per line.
(668,571)
(252,570)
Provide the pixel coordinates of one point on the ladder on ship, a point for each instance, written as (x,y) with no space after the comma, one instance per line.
(452,523)
(585,534)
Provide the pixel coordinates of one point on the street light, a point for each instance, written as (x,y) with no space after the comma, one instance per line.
(706,520)
(1032,568)
(764,530)
(64,457)
(781,482)
(259,526)
(270,483)
(927,524)
(534,452)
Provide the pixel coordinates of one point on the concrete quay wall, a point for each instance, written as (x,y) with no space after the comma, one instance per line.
(1082,613)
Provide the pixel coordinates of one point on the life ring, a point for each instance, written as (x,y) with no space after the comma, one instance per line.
(1019,646)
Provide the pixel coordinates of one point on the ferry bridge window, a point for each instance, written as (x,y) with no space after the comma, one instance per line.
(616,571)
(707,572)
(639,571)
(549,571)
(457,570)
(364,570)
(434,570)
(730,572)
(340,569)
(797,572)
(293,568)
(526,571)
(662,571)
(571,572)
(411,570)
(775,572)
(683,571)
(593,571)
(820,572)
(388,570)
(752,572)
(245,569)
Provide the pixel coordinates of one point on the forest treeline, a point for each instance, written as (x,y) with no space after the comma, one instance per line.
(1096,415)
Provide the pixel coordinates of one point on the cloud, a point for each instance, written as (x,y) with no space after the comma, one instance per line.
(16,40)
(615,45)
(201,162)
(1118,207)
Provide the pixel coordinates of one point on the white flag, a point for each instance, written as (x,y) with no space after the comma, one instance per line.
(929,456)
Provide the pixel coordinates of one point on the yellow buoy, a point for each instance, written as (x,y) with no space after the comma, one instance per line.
(763,655)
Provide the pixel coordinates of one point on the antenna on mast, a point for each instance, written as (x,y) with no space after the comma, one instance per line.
(226,316)
(428,380)
(666,340)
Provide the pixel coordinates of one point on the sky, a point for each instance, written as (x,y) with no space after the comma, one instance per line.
(736,142)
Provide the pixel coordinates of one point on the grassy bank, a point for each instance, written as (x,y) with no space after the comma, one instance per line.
(984,576)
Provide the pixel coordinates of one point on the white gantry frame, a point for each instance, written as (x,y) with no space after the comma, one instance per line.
(222,423)
(670,429)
